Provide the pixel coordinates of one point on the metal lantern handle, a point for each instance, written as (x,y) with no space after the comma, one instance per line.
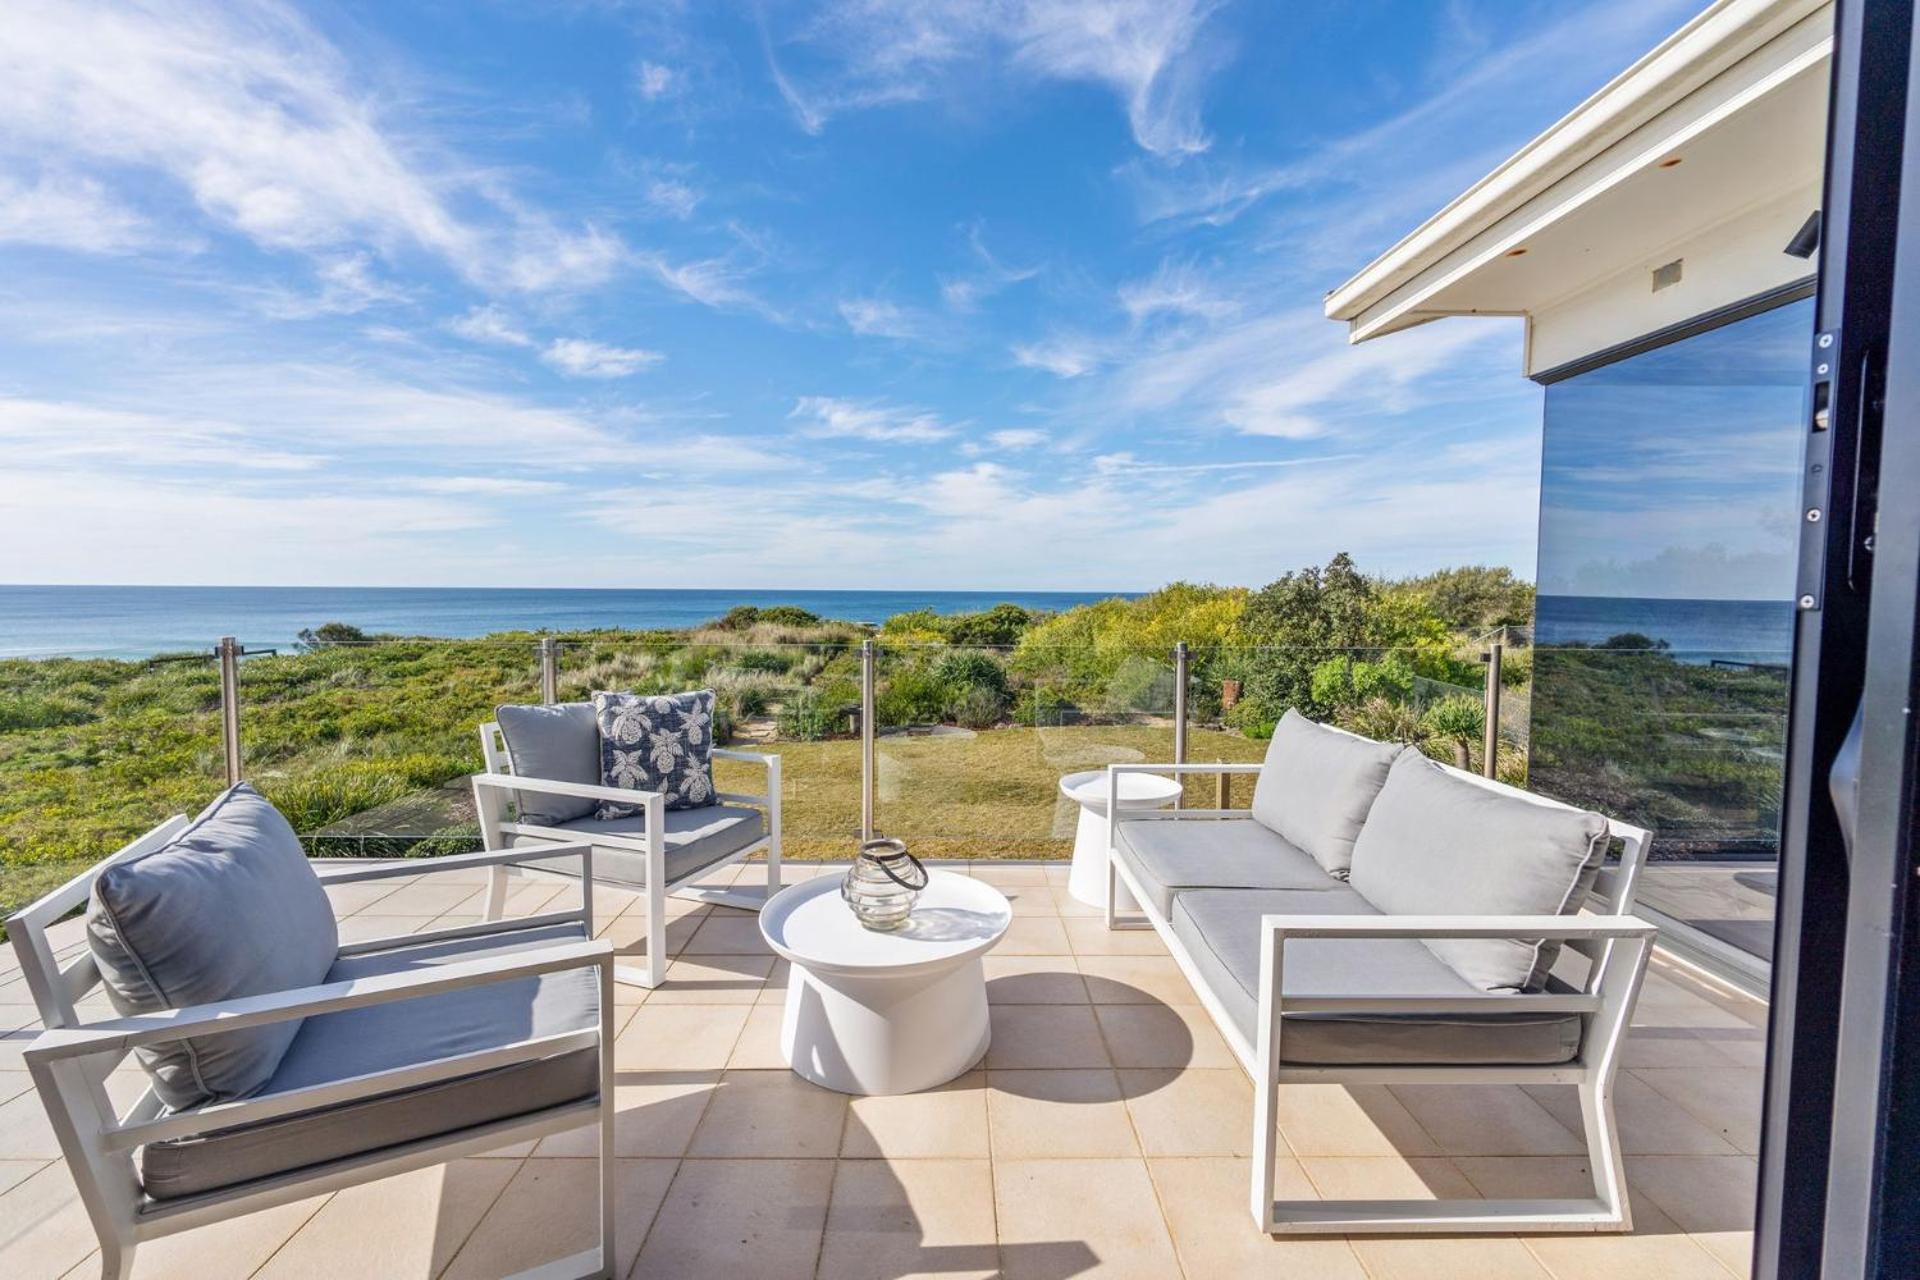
(896,851)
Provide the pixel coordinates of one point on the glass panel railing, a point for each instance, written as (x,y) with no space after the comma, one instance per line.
(98,748)
(366,746)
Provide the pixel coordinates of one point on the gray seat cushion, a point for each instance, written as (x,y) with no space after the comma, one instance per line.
(1221,931)
(560,743)
(1317,784)
(1202,853)
(335,1046)
(695,839)
(1438,842)
(227,908)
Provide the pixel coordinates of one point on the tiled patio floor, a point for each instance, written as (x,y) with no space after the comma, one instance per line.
(1103,1136)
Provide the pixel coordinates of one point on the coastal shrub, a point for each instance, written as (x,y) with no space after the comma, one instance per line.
(331,633)
(1000,626)
(911,695)
(977,707)
(1383,720)
(807,717)
(1345,681)
(970,669)
(34,711)
(1140,686)
(772,660)
(1453,726)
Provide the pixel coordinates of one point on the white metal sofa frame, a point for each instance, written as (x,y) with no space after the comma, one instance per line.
(1615,943)
(493,789)
(71,1059)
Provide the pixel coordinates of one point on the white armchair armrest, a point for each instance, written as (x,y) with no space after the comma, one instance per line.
(118,1035)
(553,787)
(455,862)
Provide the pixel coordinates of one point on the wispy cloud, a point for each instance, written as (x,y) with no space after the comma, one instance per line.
(876,53)
(881,318)
(263,124)
(830,416)
(1061,356)
(581,358)
(1177,289)
(990,275)
(490,323)
(65,211)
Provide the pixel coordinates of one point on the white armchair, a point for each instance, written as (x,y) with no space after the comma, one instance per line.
(348,1126)
(659,853)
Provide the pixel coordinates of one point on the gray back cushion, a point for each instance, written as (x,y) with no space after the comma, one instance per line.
(227,908)
(1316,787)
(1439,844)
(560,743)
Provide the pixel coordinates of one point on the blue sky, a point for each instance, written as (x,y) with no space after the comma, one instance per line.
(896,293)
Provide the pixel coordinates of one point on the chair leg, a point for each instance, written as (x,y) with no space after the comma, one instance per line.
(1603,1149)
(1265,1151)
(496,904)
(116,1259)
(608,1112)
(656,934)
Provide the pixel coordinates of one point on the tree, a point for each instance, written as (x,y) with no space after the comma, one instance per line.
(1459,721)
(329,633)
(1298,622)
(1474,597)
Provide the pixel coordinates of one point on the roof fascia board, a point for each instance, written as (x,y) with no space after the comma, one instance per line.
(1719,36)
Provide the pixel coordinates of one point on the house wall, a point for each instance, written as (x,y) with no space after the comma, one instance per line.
(1721,265)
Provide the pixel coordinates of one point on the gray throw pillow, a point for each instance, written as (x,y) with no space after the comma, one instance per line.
(560,743)
(1440,844)
(1316,787)
(227,908)
(656,742)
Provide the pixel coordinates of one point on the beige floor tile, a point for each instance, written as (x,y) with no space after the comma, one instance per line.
(349,898)
(655,1116)
(911,1220)
(1011,875)
(1195,1112)
(12,1085)
(1044,1115)
(1702,1194)
(740,1218)
(758,1048)
(1449,1258)
(628,932)
(1674,1047)
(424,898)
(1034,980)
(43,1226)
(1030,900)
(1557,1178)
(728,935)
(1387,1178)
(229,1250)
(1160,1035)
(1093,938)
(1609,1257)
(550,1211)
(775,989)
(1732,1249)
(1726,1101)
(15,1172)
(1486,1120)
(947,1122)
(1334,1120)
(770,1114)
(1034,936)
(1065,904)
(408,1225)
(367,928)
(1650,1122)
(1080,1218)
(1136,980)
(712,979)
(1042,1036)
(24,1131)
(673,1037)
(1206,1209)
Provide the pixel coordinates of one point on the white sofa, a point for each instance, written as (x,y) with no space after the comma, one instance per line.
(1377,917)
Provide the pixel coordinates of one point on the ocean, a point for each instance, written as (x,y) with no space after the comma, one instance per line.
(137,622)
(1700,631)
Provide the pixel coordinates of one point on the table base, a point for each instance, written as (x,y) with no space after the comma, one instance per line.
(885,1035)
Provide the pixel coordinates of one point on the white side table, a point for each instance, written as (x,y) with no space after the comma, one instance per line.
(1087,880)
(883,1013)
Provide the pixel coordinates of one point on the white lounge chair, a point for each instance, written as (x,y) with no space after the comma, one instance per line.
(404,1052)
(664,851)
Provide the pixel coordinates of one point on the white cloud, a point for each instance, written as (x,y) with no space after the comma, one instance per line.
(581,358)
(264,124)
(490,324)
(672,197)
(879,318)
(1178,289)
(653,80)
(829,416)
(965,292)
(1063,357)
(64,211)
(883,52)
(484,486)
(1017,438)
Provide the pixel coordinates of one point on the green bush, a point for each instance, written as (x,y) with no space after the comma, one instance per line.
(768,660)
(33,711)
(970,669)
(911,695)
(977,708)
(807,717)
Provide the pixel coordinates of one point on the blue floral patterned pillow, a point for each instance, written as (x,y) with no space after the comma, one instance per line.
(656,742)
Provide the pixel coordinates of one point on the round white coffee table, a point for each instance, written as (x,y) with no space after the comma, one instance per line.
(881,1013)
(1087,880)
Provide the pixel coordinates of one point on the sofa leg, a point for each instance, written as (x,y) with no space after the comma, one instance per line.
(1265,1151)
(1603,1149)
(496,904)
(116,1260)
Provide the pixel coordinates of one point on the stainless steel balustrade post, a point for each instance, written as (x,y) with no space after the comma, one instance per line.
(866,739)
(549,670)
(228,652)
(1181,677)
(1490,745)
